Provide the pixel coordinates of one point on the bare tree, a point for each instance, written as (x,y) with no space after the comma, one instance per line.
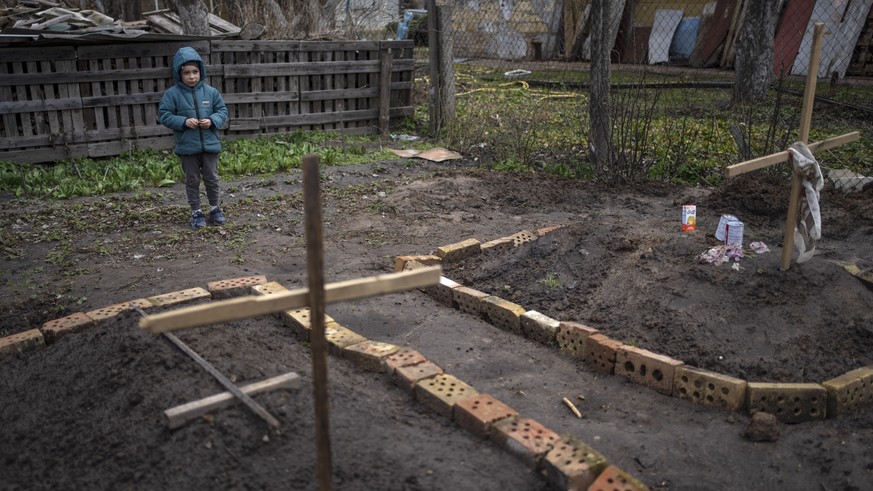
(286,19)
(193,16)
(598,106)
(754,47)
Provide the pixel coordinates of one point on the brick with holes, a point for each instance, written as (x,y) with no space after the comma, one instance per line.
(539,327)
(21,342)
(369,355)
(572,336)
(614,479)
(175,299)
(850,391)
(572,464)
(479,413)
(468,300)
(339,337)
(442,392)
(234,287)
(58,328)
(600,353)
(790,403)
(118,311)
(709,388)
(404,357)
(525,438)
(427,260)
(646,368)
(502,314)
(443,292)
(408,376)
(459,250)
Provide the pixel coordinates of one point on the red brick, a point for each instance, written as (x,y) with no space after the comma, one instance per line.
(498,246)
(572,337)
(468,300)
(790,403)
(429,260)
(543,231)
(614,479)
(234,287)
(459,250)
(403,358)
(524,437)
(56,329)
(600,353)
(646,368)
(369,355)
(443,292)
(571,464)
(522,237)
(179,297)
(409,376)
(478,413)
(339,337)
(101,315)
(441,392)
(709,388)
(20,342)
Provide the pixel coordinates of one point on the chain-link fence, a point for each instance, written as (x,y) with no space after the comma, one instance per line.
(522,70)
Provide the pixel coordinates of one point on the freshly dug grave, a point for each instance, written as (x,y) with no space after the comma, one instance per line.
(638,279)
(85,412)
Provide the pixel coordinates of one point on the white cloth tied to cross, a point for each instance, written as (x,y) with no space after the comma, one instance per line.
(807,229)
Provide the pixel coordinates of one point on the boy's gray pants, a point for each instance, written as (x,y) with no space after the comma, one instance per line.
(205,166)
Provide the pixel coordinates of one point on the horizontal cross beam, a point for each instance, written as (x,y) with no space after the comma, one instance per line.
(776,158)
(252,306)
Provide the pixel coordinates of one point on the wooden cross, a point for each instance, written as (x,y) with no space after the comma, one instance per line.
(315,296)
(776,158)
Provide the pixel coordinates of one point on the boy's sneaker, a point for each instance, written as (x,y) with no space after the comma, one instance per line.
(198,220)
(216,217)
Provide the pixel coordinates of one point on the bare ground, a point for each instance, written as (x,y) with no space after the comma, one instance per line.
(85,412)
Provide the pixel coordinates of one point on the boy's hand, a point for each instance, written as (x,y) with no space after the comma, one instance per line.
(192,123)
(206,123)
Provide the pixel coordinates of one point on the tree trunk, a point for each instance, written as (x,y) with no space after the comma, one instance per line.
(598,107)
(754,47)
(193,15)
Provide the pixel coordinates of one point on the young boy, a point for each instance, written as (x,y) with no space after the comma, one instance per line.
(195,111)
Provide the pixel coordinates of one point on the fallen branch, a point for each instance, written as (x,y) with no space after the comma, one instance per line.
(572,407)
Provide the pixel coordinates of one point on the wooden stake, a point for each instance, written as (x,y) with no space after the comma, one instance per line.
(805,123)
(315,272)
(179,415)
(776,158)
(251,306)
(248,401)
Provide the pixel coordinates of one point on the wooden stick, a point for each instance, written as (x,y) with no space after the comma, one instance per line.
(251,306)
(248,401)
(803,136)
(179,415)
(315,273)
(768,160)
(572,407)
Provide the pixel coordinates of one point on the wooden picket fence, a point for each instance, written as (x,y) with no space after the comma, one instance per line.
(94,100)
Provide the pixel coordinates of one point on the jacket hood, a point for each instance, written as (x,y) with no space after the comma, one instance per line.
(184,55)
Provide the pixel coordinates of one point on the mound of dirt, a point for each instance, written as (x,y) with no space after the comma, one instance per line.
(86,411)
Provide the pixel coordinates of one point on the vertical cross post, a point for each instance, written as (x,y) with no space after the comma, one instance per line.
(803,136)
(318,342)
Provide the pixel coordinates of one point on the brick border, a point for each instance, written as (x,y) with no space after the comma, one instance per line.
(846,393)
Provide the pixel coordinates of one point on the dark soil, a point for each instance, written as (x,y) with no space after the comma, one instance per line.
(86,411)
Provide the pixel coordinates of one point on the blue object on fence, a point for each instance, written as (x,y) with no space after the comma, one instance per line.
(684,39)
(403,26)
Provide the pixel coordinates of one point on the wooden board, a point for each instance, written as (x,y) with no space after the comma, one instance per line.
(252,306)
(790,33)
(849,33)
(666,22)
(829,13)
(179,415)
(715,37)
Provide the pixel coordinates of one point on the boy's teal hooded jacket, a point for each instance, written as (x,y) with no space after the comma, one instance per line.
(202,101)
